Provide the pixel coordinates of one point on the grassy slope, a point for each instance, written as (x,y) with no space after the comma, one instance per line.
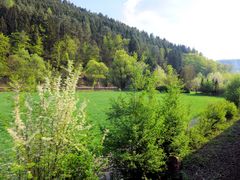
(98,105)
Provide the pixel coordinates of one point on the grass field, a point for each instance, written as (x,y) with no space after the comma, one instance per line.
(98,105)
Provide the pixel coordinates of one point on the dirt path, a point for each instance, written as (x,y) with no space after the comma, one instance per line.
(219,159)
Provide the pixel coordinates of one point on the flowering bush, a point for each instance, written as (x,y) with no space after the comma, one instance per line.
(51,134)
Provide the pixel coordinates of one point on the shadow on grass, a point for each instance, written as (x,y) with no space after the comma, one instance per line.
(218,159)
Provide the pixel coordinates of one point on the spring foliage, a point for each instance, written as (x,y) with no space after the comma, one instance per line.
(96,71)
(51,134)
(146,131)
(211,122)
(233,91)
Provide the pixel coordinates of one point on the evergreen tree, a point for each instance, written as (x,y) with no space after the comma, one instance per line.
(4,50)
(19,40)
(174,58)
(65,50)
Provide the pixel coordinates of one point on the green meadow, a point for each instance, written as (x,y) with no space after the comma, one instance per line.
(98,104)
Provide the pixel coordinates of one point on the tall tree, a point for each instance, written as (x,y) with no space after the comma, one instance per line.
(96,71)
(4,50)
(174,58)
(89,51)
(112,43)
(26,70)
(122,69)
(19,40)
(175,118)
(65,50)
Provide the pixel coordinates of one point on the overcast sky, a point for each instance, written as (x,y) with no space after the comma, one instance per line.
(210,26)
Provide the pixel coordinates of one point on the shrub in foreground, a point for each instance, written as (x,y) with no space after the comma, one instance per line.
(135,137)
(51,134)
(211,121)
(146,132)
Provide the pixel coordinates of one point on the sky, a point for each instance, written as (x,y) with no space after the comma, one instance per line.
(210,26)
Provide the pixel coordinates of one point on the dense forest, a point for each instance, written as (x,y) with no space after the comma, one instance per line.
(52,29)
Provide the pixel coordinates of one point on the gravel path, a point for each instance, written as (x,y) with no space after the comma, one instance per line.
(219,159)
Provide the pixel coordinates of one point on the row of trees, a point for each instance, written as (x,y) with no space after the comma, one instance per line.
(17,64)
(204,75)
(19,57)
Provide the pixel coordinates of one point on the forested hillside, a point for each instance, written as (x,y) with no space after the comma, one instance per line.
(57,30)
(52,20)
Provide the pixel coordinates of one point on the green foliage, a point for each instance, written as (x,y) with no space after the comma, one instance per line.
(51,134)
(140,74)
(167,79)
(145,132)
(4,50)
(96,71)
(195,84)
(233,91)
(88,52)
(231,111)
(175,59)
(19,40)
(207,86)
(112,43)
(212,84)
(7,3)
(54,20)
(198,67)
(210,122)
(26,70)
(122,69)
(161,76)
(175,118)
(200,63)
(135,136)
(64,50)
(188,74)
(37,47)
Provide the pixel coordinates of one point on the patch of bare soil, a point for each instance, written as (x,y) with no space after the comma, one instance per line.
(218,159)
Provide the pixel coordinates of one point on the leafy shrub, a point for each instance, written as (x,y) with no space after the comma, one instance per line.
(211,121)
(196,138)
(145,132)
(231,111)
(175,122)
(135,135)
(51,134)
(220,112)
(233,91)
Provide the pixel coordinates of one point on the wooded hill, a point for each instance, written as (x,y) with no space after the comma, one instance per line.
(58,31)
(54,19)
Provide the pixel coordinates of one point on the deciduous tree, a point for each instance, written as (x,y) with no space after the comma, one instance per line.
(122,69)
(96,71)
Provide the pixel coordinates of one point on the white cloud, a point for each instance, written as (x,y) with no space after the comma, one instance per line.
(210,26)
